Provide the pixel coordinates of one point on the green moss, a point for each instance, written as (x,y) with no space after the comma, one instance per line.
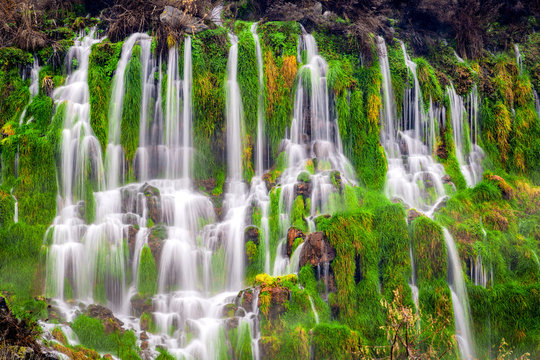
(132,105)
(248,81)
(209,51)
(399,74)
(431,89)
(147,276)
(335,341)
(103,61)
(40,109)
(429,249)
(298,214)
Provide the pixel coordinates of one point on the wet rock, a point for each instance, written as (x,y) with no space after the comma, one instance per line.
(323,149)
(316,250)
(106,316)
(292,235)
(153,202)
(144,345)
(269,181)
(177,19)
(279,297)
(130,218)
(80,209)
(128,199)
(251,233)
(144,336)
(428,181)
(403,147)
(232,323)
(245,299)
(302,189)
(141,305)
(229,310)
(130,233)
(446,179)
(413,214)
(156,238)
(335,176)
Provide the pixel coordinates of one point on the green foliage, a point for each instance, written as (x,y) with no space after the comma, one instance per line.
(209,51)
(399,74)
(132,105)
(429,249)
(103,61)
(248,81)
(91,333)
(14,93)
(335,341)
(431,89)
(40,109)
(147,276)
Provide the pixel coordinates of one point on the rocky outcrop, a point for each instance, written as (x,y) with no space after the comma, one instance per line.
(157,236)
(141,305)
(317,250)
(413,214)
(251,233)
(292,235)
(106,316)
(153,202)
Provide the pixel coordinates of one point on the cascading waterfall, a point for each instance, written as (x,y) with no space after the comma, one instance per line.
(115,154)
(519,59)
(536,102)
(413,285)
(258,191)
(413,176)
(460,301)
(465,129)
(16,208)
(34,87)
(313,138)
(73,251)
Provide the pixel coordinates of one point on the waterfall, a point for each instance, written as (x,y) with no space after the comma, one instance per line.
(536,102)
(236,193)
(409,141)
(413,285)
(315,315)
(34,87)
(115,154)
(460,301)
(16,208)
(81,152)
(313,138)
(465,129)
(142,157)
(519,59)
(258,190)
(259,163)
(188,111)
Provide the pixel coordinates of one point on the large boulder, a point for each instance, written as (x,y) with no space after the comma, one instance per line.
(110,323)
(316,250)
(251,233)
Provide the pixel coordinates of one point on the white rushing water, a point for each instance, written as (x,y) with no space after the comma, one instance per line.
(115,154)
(413,176)
(15,208)
(460,300)
(200,265)
(464,117)
(34,88)
(313,141)
(519,59)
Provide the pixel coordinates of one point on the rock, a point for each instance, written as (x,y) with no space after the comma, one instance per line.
(153,202)
(141,305)
(413,214)
(229,310)
(144,345)
(128,199)
(303,189)
(270,183)
(144,336)
(323,149)
(245,299)
(446,179)
(177,19)
(403,147)
(130,218)
(428,181)
(335,176)
(130,233)
(279,297)
(106,316)
(316,250)
(292,235)
(251,233)
(157,236)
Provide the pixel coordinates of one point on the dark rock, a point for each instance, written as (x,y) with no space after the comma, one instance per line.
(141,305)
(403,147)
(245,299)
(153,202)
(446,179)
(316,250)
(130,233)
(130,218)
(144,345)
(106,316)
(302,189)
(251,233)
(157,236)
(229,310)
(428,181)
(279,297)
(292,235)
(144,336)
(128,199)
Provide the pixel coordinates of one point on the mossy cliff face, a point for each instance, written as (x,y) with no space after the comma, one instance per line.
(333,310)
